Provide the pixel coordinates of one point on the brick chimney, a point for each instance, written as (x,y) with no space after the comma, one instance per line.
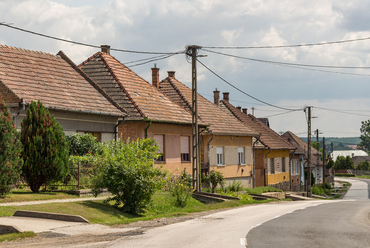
(105,49)
(226,96)
(239,108)
(216,97)
(171,74)
(245,111)
(155,76)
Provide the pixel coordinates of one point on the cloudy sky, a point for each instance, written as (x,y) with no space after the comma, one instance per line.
(339,96)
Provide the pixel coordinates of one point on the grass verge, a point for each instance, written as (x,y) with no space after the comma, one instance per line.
(21,195)
(15,236)
(99,212)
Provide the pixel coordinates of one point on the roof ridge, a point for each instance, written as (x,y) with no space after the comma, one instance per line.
(120,84)
(87,78)
(178,92)
(27,50)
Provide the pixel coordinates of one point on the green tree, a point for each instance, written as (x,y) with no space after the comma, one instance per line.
(213,179)
(363,165)
(343,163)
(330,164)
(365,136)
(45,150)
(80,145)
(10,151)
(127,171)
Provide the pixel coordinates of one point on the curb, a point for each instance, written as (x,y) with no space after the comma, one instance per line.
(4,229)
(43,215)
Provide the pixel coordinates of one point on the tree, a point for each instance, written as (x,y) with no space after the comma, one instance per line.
(343,163)
(127,171)
(45,150)
(365,136)
(363,165)
(213,179)
(10,151)
(80,145)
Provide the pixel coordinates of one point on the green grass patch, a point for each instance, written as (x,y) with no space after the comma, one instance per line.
(99,212)
(364,177)
(20,195)
(15,236)
(260,190)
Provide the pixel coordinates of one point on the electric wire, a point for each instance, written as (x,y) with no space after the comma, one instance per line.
(269,104)
(84,44)
(149,61)
(288,112)
(342,112)
(289,46)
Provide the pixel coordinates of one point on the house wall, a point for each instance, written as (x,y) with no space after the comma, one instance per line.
(260,167)
(230,168)
(279,179)
(132,130)
(102,125)
(295,177)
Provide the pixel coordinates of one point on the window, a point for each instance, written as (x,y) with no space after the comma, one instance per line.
(220,155)
(185,147)
(272,166)
(241,155)
(283,164)
(296,167)
(160,141)
(291,168)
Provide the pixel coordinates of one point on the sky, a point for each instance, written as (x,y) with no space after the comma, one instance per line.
(339,96)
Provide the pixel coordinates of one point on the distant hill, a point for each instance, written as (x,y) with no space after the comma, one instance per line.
(345,143)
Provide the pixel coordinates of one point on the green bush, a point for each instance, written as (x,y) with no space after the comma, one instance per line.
(182,192)
(363,165)
(213,179)
(344,175)
(262,189)
(235,186)
(126,170)
(45,150)
(10,151)
(326,185)
(80,145)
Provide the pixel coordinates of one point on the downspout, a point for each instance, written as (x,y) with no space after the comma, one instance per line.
(146,129)
(267,169)
(254,160)
(200,163)
(209,154)
(291,168)
(116,128)
(23,103)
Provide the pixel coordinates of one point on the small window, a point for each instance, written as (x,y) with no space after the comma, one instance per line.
(160,141)
(296,167)
(241,155)
(220,155)
(272,166)
(185,148)
(283,165)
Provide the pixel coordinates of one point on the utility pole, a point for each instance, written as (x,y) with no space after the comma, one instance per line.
(192,51)
(318,148)
(323,159)
(309,151)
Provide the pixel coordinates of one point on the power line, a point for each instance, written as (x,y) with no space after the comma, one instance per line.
(269,104)
(288,112)
(342,112)
(152,60)
(85,44)
(290,46)
(289,64)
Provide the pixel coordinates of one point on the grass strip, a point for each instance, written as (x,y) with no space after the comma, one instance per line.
(15,236)
(28,195)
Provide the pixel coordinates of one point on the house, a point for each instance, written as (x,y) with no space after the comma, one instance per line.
(358,159)
(226,145)
(151,114)
(315,161)
(352,153)
(77,103)
(272,152)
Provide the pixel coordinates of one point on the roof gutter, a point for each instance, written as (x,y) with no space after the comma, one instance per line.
(146,129)
(208,153)
(116,128)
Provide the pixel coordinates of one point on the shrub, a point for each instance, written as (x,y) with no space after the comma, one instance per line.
(10,151)
(344,175)
(235,186)
(213,179)
(326,185)
(126,170)
(363,165)
(80,145)
(45,150)
(182,192)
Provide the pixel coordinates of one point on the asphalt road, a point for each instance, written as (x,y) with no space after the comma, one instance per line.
(340,224)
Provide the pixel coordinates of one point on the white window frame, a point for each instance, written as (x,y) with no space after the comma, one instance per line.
(220,156)
(241,156)
(296,167)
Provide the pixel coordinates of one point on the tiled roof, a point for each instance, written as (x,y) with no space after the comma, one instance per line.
(268,137)
(299,150)
(141,99)
(220,121)
(315,153)
(52,79)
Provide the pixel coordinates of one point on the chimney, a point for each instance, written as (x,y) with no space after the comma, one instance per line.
(105,49)
(216,97)
(239,108)
(226,96)
(171,74)
(245,111)
(155,76)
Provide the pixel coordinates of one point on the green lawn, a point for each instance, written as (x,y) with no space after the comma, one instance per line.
(99,212)
(21,195)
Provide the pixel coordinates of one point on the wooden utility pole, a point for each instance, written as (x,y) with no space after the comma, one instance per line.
(192,51)
(318,148)
(323,159)
(309,151)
